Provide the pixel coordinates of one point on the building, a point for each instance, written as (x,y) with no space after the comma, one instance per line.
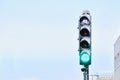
(106,77)
(102,77)
(117,59)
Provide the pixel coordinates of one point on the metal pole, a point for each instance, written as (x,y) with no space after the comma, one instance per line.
(87,72)
(84,74)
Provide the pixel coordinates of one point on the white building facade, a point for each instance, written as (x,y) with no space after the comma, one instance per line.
(102,77)
(117,59)
(106,77)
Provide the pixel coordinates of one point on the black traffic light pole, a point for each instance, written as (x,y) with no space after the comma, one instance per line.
(85,71)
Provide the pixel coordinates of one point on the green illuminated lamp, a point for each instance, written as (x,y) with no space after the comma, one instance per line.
(84,58)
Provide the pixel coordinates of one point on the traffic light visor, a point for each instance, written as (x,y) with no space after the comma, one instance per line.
(84,20)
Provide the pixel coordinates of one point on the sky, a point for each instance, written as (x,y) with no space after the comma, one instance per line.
(38,38)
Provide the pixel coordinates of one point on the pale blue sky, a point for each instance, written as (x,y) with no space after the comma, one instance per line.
(38,38)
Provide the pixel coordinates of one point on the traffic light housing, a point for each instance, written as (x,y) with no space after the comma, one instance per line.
(85,38)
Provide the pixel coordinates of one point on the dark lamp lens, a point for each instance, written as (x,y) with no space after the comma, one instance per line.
(84,44)
(84,32)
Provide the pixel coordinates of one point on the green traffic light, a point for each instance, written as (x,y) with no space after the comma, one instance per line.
(84,57)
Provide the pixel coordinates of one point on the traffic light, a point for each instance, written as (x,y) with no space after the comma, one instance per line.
(85,38)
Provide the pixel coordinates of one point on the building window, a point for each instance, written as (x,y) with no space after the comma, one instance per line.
(115,62)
